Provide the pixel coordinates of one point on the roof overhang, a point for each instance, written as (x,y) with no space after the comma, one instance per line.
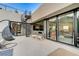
(47,10)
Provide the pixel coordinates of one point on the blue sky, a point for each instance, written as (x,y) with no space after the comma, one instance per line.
(25,6)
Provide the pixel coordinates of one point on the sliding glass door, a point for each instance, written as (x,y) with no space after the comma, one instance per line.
(52,28)
(65,32)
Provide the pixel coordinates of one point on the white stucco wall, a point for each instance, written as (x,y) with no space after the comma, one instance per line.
(3,25)
(9,15)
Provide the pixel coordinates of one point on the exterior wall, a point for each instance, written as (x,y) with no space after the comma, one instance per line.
(45,28)
(31,29)
(3,25)
(9,15)
(28,29)
(23,29)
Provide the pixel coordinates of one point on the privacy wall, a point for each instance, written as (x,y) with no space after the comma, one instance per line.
(9,15)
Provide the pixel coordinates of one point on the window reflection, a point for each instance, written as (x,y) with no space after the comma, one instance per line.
(66,28)
(78,22)
(52,28)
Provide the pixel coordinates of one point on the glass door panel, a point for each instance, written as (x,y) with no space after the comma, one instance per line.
(66,28)
(77,35)
(52,29)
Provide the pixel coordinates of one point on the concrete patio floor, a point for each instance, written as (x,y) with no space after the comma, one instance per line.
(28,46)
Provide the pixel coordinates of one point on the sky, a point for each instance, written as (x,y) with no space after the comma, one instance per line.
(25,6)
